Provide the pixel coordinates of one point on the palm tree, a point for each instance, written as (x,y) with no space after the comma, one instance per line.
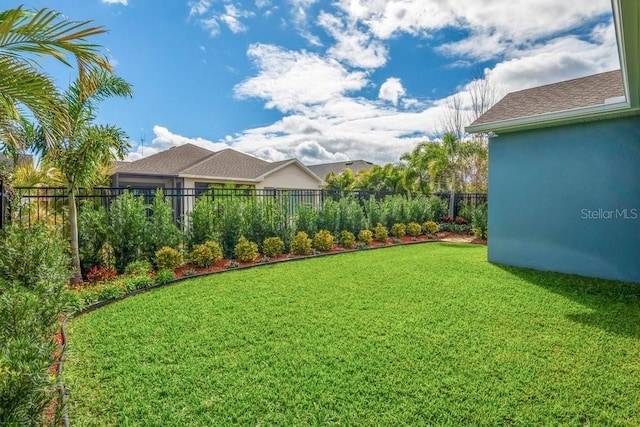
(84,149)
(26,36)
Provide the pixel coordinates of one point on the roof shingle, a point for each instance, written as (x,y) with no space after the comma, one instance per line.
(571,94)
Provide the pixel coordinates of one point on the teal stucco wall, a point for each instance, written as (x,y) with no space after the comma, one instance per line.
(567,199)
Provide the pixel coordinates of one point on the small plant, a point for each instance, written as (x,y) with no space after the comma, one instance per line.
(446,219)
(189,272)
(245,250)
(398,230)
(231,264)
(430,227)
(164,276)
(301,244)
(100,274)
(138,268)
(272,247)
(479,221)
(381,234)
(414,229)
(167,257)
(365,237)
(323,240)
(347,239)
(206,254)
(461,220)
(136,282)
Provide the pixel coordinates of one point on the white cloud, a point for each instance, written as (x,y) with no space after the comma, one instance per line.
(199,7)
(122,2)
(391,90)
(231,17)
(326,117)
(165,139)
(293,81)
(354,47)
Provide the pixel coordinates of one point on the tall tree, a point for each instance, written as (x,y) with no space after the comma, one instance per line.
(25,37)
(82,148)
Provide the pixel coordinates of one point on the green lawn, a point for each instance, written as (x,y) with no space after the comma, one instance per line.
(426,334)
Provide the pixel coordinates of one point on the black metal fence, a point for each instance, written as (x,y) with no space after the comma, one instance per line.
(29,204)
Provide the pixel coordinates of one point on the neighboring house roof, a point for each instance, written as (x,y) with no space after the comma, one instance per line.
(322,170)
(168,163)
(601,96)
(190,161)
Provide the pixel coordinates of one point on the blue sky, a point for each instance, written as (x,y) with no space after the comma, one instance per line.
(326,81)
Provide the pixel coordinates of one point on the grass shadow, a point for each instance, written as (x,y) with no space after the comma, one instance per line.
(615,305)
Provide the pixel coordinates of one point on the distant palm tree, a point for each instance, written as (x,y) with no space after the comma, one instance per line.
(26,36)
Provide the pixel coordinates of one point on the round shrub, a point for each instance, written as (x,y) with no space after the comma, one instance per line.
(245,250)
(365,237)
(272,247)
(169,258)
(301,244)
(323,240)
(430,227)
(398,230)
(414,229)
(138,268)
(164,276)
(381,234)
(206,254)
(347,239)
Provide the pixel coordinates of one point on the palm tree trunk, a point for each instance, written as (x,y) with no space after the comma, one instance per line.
(73,237)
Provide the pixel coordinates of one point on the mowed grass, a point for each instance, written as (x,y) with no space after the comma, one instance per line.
(426,334)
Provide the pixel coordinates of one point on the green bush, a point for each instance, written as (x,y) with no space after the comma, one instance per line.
(34,266)
(479,218)
(229,221)
(365,237)
(398,230)
(138,268)
(301,244)
(202,221)
(380,233)
(245,250)
(206,254)
(430,227)
(161,229)
(164,276)
(127,226)
(169,258)
(323,240)
(136,282)
(272,247)
(414,229)
(92,236)
(307,219)
(108,290)
(347,239)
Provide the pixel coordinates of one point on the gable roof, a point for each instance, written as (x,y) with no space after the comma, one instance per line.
(322,170)
(601,96)
(190,161)
(168,163)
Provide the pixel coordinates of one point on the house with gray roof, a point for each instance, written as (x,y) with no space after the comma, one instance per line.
(190,166)
(564,169)
(324,169)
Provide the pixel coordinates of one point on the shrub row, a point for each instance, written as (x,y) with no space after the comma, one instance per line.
(131,230)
